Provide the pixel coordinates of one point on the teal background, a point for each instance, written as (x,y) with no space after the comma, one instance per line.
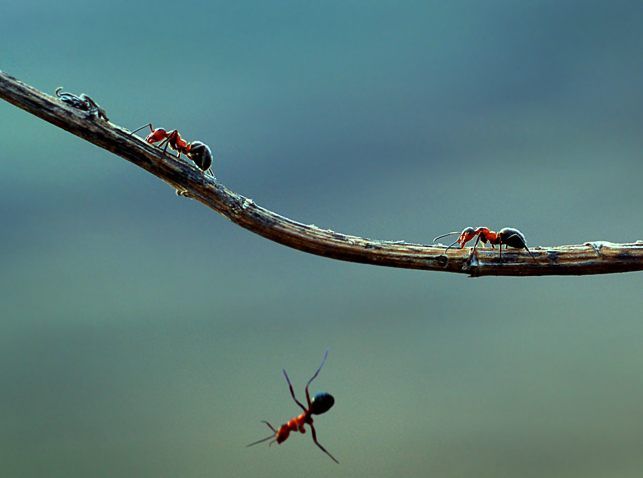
(142,335)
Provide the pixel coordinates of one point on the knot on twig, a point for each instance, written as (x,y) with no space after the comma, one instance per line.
(596,245)
(240,204)
(184,193)
(442,260)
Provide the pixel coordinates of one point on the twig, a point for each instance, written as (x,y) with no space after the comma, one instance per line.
(589,258)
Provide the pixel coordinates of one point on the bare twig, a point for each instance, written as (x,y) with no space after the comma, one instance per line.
(590,258)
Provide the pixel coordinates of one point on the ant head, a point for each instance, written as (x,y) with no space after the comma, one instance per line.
(156,135)
(201,154)
(321,403)
(466,235)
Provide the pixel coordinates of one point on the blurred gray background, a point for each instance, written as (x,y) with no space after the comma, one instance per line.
(143,335)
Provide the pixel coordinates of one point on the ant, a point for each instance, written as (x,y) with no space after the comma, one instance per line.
(508,236)
(198,152)
(320,403)
(82,102)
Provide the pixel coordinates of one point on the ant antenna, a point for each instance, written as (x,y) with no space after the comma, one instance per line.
(144,126)
(261,441)
(450,245)
(264,439)
(445,235)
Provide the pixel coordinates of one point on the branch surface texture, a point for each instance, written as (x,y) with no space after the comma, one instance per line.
(590,258)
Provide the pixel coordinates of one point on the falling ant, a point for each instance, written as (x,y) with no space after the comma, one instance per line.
(507,236)
(197,151)
(82,102)
(320,403)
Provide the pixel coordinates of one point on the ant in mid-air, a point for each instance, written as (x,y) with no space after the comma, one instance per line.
(320,403)
(197,151)
(82,102)
(507,236)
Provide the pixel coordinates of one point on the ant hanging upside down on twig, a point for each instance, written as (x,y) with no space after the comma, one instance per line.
(199,153)
(507,236)
(320,403)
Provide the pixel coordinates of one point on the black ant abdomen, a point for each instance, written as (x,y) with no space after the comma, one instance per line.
(201,154)
(321,403)
(513,238)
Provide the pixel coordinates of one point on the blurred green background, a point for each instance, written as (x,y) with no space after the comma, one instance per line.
(142,335)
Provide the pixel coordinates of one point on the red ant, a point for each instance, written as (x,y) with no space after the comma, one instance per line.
(197,151)
(320,403)
(508,236)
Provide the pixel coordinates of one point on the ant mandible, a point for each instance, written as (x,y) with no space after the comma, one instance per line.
(197,151)
(508,236)
(320,403)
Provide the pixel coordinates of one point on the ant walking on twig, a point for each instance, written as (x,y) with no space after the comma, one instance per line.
(82,102)
(320,403)
(198,152)
(507,236)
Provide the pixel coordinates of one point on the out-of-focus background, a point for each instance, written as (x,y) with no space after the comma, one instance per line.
(143,335)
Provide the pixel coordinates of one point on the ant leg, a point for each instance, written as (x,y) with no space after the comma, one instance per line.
(173,138)
(314,434)
(167,143)
(315,376)
(164,144)
(476,243)
(525,245)
(144,126)
(532,256)
(473,250)
(292,391)
(445,235)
